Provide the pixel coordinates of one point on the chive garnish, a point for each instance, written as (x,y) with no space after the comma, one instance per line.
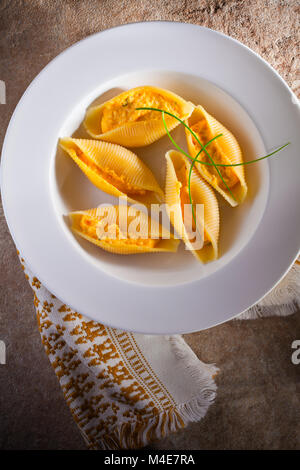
(193,160)
(208,163)
(199,142)
(203,148)
(190,174)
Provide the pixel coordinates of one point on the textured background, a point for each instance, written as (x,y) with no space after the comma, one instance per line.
(258,401)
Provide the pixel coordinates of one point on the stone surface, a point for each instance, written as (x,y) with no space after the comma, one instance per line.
(258,404)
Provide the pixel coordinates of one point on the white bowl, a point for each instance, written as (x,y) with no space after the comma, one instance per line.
(160,293)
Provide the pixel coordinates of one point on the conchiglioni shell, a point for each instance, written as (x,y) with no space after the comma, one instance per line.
(228,147)
(201,193)
(113,158)
(141,132)
(164,242)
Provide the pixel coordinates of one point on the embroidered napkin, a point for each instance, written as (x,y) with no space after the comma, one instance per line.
(125,390)
(283,300)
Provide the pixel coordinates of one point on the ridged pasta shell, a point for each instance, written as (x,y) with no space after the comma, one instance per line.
(117,120)
(176,194)
(101,226)
(114,169)
(225,150)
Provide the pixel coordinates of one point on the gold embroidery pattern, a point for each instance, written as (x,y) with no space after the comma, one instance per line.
(115,397)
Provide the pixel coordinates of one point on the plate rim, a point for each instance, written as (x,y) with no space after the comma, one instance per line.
(32,84)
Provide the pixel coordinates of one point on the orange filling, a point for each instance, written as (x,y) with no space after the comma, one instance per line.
(118,181)
(122,109)
(202,131)
(88,226)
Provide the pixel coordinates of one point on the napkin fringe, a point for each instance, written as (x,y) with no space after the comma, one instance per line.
(203,375)
(283,300)
(157,426)
(261,311)
(139,434)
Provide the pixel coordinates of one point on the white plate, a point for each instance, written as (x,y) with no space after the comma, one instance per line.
(161,293)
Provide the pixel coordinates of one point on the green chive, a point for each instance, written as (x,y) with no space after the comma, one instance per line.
(203,148)
(190,174)
(195,136)
(193,160)
(207,163)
